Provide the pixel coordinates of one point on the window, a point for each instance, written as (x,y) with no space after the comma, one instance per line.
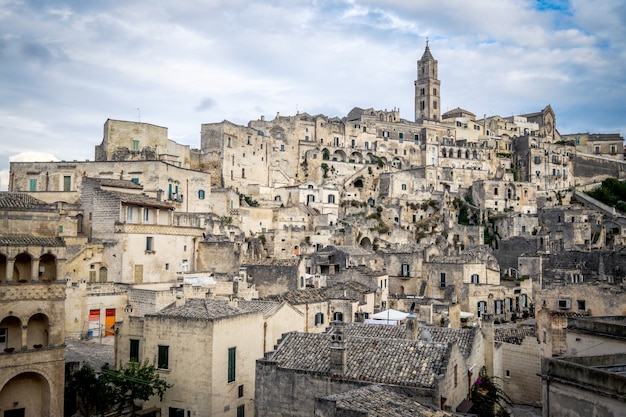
(201,194)
(134,350)
(135,145)
(248,140)
(403,187)
(232,357)
(581,304)
(228,142)
(442,280)
(241,411)
(434,104)
(3,337)
(129,213)
(243,173)
(434,91)
(331,198)
(385,134)
(146,214)
(240,391)
(60,229)
(497,306)
(400,137)
(524,299)
(67,183)
(176,412)
(135,180)
(149,244)
(507,373)
(282,148)
(416,139)
(337,316)
(565,304)
(482,308)
(405,270)
(475,279)
(32,185)
(163,357)
(577,278)
(319,318)
(495,191)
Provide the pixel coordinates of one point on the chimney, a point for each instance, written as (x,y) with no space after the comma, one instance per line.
(489,337)
(338,354)
(411,324)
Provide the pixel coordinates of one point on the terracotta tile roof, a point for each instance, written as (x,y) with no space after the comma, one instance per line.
(296,297)
(109,182)
(375,400)
(372,330)
(463,337)
(139,200)
(264,307)
(24,240)
(514,335)
(201,309)
(318,295)
(20,200)
(387,361)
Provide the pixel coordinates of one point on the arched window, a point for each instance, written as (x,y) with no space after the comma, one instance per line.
(201,194)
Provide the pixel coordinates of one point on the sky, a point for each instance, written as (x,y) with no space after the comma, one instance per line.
(68,66)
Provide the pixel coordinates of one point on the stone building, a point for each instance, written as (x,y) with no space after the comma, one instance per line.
(519,359)
(610,145)
(556,305)
(307,366)
(589,380)
(136,141)
(347,302)
(32,311)
(198,347)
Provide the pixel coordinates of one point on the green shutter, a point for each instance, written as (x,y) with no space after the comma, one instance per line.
(232,354)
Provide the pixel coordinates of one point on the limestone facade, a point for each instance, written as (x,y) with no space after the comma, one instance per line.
(32,313)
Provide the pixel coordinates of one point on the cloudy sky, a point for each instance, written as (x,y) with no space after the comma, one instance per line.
(68,66)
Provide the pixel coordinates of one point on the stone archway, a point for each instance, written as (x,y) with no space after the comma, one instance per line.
(38,331)
(28,391)
(22,269)
(366,243)
(48,267)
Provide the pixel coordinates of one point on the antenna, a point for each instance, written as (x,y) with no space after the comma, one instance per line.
(139,114)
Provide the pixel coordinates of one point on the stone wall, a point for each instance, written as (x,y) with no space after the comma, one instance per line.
(520,376)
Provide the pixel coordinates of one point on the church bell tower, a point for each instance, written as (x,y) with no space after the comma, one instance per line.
(427,88)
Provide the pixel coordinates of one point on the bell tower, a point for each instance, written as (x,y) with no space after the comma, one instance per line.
(427,91)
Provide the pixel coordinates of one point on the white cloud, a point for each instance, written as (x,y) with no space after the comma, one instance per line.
(66,69)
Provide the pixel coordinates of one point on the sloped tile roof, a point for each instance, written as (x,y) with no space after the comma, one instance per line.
(442,335)
(110,182)
(388,361)
(514,335)
(296,297)
(20,200)
(375,400)
(201,309)
(140,200)
(264,307)
(25,240)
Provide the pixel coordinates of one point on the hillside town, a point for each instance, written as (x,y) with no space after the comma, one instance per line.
(314,265)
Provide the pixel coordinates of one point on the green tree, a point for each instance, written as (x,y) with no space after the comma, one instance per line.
(92,394)
(135,381)
(486,394)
